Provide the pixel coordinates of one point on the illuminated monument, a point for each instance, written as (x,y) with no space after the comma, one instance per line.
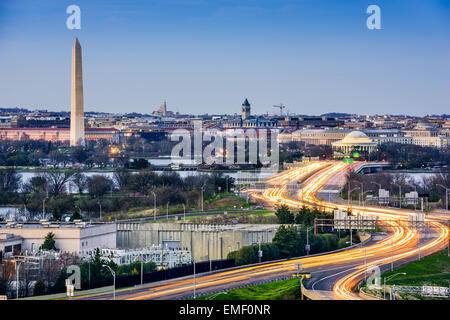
(76,102)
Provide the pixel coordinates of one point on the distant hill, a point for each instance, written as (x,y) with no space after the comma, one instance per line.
(335,115)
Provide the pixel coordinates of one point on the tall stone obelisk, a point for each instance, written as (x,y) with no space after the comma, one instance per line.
(76,100)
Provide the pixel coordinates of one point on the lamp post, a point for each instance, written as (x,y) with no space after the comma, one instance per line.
(378,184)
(446,195)
(43,207)
(307,248)
(349,193)
(142,269)
(100,209)
(363,201)
(167,210)
(392,254)
(387,278)
(79,209)
(193,261)
(399,195)
(415,190)
(114,281)
(362,190)
(203,189)
(17,278)
(154,205)
(184,212)
(379,188)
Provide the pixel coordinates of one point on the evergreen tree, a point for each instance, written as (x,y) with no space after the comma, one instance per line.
(284,215)
(49,242)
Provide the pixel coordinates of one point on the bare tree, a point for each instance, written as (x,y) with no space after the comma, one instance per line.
(80,181)
(57,180)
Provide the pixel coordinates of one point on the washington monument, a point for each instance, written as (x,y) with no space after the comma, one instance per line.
(76,100)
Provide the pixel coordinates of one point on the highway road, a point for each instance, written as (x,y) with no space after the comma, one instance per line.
(334,275)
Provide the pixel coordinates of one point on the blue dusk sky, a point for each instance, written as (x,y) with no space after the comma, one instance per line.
(207,56)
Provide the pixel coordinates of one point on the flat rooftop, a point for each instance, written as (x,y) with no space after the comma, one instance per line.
(50,225)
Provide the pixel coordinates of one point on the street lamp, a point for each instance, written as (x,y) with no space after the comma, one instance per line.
(378,184)
(387,278)
(167,210)
(446,195)
(43,207)
(114,281)
(362,190)
(203,189)
(367,191)
(379,188)
(17,278)
(307,247)
(400,194)
(349,192)
(154,205)
(142,269)
(100,209)
(415,190)
(193,261)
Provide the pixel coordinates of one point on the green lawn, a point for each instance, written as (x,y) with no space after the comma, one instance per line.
(281,290)
(431,271)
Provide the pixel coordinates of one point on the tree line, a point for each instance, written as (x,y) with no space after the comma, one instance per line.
(290,240)
(49,187)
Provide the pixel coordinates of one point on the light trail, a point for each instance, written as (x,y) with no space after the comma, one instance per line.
(401,244)
(403,240)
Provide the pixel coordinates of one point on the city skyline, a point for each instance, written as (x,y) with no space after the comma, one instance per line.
(205,58)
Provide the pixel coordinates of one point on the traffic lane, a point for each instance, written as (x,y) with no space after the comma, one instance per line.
(232,276)
(322,278)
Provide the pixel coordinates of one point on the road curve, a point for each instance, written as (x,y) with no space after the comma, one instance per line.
(336,274)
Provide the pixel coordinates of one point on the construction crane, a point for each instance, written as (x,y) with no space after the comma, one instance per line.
(281,107)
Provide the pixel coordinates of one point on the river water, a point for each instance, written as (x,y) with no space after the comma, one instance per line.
(11,212)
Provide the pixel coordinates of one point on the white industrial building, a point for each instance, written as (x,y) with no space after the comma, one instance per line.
(162,256)
(69,237)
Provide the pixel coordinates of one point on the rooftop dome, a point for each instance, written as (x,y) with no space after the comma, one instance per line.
(356,137)
(424,124)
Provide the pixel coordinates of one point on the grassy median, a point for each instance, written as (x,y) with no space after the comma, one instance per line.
(433,270)
(281,290)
